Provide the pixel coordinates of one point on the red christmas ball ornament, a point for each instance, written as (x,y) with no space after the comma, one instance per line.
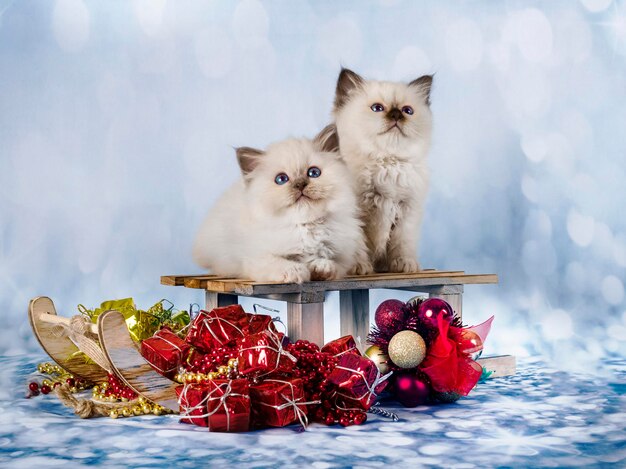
(470,342)
(411,390)
(390,313)
(432,308)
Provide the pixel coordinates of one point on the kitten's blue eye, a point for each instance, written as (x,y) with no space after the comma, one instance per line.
(377,107)
(281,179)
(314,172)
(408,110)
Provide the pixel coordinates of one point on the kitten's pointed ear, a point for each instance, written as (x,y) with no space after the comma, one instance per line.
(347,81)
(327,140)
(248,158)
(423,84)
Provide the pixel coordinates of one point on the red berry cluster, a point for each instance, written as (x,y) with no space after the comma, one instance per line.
(34,388)
(209,362)
(313,368)
(118,389)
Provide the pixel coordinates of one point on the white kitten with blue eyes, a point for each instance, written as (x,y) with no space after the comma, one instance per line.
(384,131)
(292,217)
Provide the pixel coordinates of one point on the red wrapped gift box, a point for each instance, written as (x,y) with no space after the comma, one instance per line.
(263,354)
(218,327)
(259,323)
(165,351)
(228,405)
(341,346)
(192,400)
(222,405)
(358,381)
(279,402)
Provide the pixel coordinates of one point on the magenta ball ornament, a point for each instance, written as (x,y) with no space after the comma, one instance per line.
(430,309)
(390,313)
(411,390)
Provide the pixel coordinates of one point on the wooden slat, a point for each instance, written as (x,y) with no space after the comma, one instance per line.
(245,287)
(354,314)
(393,275)
(251,290)
(500,365)
(179,280)
(230,286)
(306,321)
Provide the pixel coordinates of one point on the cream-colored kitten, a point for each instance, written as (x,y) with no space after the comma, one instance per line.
(384,131)
(292,217)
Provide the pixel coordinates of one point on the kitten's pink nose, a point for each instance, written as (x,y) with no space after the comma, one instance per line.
(300,184)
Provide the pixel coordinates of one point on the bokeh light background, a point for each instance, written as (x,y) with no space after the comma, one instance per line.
(117,122)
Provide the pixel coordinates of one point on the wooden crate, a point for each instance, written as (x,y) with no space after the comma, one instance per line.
(305,302)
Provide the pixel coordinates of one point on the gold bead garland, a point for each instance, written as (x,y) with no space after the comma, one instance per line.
(135,407)
(224,371)
(58,375)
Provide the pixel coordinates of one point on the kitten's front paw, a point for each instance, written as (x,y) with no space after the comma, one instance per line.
(404,264)
(362,268)
(296,273)
(323,269)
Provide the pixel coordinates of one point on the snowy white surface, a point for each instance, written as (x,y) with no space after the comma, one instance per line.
(541,417)
(118,119)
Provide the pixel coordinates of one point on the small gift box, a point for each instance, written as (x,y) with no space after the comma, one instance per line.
(218,327)
(259,323)
(341,346)
(165,351)
(228,405)
(279,402)
(192,401)
(263,353)
(357,380)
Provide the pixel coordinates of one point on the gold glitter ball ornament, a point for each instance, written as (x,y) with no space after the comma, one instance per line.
(377,356)
(407,349)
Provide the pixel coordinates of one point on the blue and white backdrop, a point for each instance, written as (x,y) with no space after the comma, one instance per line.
(117,122)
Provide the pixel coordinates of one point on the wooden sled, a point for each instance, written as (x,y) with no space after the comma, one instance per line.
(129,365)
(46,325)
